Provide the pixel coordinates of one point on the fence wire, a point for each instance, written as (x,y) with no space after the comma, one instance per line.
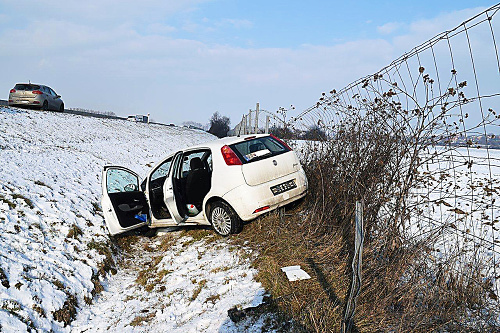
(430,123)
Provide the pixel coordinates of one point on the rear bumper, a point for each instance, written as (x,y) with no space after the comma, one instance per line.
(245,199)
(25,102)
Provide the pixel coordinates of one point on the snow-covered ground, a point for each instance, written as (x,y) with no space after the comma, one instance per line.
(54,247)
(186,287)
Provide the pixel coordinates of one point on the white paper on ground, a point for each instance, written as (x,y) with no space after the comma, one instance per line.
(294,273)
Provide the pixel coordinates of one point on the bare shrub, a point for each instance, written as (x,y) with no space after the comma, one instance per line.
(377,150)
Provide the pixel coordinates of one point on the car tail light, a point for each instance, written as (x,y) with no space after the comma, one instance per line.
(229,156)
(37,92)
(36,102)
(12,91)
(261,209)
(282,142)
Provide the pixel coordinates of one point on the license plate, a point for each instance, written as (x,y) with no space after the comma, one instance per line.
(283,187)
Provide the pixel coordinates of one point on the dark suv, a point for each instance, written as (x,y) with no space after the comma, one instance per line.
(35,95)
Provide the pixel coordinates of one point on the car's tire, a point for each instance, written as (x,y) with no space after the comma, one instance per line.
(224,219)
(45,106)
(61,108)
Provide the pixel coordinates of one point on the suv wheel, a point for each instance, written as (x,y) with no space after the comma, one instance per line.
(45,106)
(224,219)
(61,108)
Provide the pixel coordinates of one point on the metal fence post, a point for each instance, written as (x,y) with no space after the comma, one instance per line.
(249,119)
(257,119)
(244,124)
(350,308)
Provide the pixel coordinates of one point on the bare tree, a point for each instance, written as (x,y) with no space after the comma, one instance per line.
(219,125)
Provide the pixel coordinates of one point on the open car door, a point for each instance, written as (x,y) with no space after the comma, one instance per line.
(123,204)
(172,191)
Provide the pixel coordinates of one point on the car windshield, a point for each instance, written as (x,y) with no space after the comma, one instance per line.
(258,148)
(27,87)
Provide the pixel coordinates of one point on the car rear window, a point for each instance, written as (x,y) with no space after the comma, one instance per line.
(27,87)
(258,149)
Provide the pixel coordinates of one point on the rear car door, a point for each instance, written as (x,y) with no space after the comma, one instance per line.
(124,205)
(173,190)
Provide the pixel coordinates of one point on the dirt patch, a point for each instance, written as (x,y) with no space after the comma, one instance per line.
(67,313)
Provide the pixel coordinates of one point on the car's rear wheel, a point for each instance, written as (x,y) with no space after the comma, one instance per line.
(45,106)
(61,108)
(224,219)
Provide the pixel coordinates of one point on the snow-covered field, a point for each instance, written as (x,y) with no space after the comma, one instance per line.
(458,202)
(54,247)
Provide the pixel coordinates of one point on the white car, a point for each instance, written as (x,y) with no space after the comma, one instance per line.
(222,183)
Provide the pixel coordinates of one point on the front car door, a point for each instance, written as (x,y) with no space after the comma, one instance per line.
(124,205)
(54,100)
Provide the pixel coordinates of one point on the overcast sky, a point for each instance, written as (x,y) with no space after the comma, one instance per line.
(182,60)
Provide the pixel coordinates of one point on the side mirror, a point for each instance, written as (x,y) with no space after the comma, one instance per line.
(130,188)
(58,96)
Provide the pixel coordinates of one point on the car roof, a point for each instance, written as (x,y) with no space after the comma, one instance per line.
(225,141)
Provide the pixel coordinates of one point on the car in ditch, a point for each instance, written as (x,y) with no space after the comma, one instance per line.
(35,96)
(220,183)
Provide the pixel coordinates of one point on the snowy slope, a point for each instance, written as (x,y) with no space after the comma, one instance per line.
(188,287)
(53,239)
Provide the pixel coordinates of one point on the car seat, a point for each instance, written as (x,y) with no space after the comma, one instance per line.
(197,183)
(256,147)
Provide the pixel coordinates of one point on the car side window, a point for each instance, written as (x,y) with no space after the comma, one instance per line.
(162,170)
(52,92)
(186,160)
(118,180)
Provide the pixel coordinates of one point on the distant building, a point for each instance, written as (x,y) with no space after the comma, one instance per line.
(139,118)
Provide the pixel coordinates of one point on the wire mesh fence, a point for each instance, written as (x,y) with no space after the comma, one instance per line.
(419,143)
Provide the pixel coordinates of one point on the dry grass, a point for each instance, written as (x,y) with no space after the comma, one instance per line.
(314,304)
(198,289)
(74,232)
(149,277)
(67,313)
(402,291)
(140,320)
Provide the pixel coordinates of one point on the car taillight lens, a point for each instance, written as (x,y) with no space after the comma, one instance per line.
(12,91)
(229,156)
(37,92)
(281,141)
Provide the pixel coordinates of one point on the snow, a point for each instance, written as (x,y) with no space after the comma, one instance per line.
(51,232)
(458,199)
(174,305)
